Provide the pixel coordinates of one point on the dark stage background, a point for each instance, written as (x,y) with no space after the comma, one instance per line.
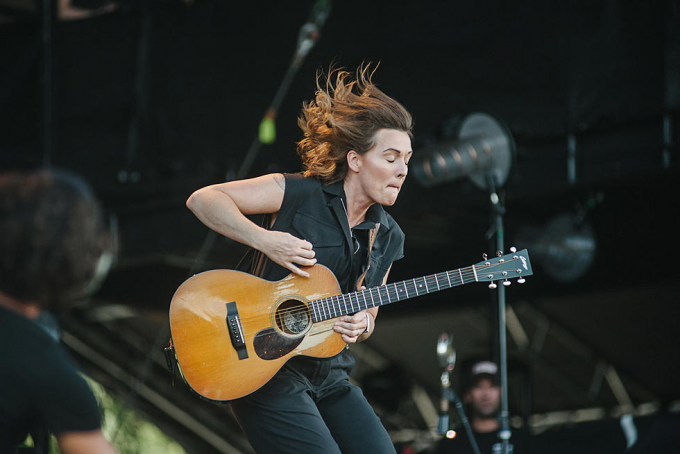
(159,97)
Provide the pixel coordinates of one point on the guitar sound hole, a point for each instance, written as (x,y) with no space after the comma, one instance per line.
(292,317)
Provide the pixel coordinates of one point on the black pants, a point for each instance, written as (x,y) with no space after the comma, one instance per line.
(311,407)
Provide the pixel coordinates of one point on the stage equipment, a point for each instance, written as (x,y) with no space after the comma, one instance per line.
(483,146)
(483,152)
(447,361)
(309,34)
(567,242)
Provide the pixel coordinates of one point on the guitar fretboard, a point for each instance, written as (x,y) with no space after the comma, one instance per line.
(349,303)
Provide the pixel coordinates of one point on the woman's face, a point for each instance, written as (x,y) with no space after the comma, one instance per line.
(383,169)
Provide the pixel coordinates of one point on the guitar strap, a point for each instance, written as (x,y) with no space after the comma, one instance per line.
(372,235)
(259,260)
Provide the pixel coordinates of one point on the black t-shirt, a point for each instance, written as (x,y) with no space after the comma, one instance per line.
(40,388)
(488,443)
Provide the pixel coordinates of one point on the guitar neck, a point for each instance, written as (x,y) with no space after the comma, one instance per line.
(349,303)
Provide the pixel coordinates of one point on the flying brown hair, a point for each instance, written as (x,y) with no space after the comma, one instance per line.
(345,115)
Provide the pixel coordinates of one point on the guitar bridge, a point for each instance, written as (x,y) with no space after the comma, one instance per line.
(236,331)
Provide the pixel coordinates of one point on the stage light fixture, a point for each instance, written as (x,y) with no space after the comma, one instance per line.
(565,246)
(483,148)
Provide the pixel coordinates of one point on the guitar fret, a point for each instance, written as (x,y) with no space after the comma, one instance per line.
(379,296)
(370,292)
(388,290)
(461,276)
(448,276)
(363,295)
(406,289)
(356,296)
(436,281)
(350,303)
(315,316)
(397,291)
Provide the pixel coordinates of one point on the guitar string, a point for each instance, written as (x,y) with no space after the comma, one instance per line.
(391,291)
(246,326)
(395,293)
(247,322)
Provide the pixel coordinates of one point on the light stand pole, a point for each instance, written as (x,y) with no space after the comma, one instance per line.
(497,212)
(483,152)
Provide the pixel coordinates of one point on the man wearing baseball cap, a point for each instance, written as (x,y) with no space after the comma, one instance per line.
(481,394)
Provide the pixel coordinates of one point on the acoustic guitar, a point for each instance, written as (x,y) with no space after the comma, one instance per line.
(232,331)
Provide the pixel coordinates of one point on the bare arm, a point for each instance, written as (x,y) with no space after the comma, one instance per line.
(92,442)
(224,208)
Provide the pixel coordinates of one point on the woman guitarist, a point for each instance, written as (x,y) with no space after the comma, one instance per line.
(355,153)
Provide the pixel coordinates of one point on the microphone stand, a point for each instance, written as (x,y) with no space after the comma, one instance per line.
(498,211)
(309,34)
(447,359)
(449,395)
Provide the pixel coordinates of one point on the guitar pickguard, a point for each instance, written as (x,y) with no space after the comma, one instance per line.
(269,344)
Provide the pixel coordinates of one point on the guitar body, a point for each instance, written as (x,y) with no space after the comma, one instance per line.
(233,331)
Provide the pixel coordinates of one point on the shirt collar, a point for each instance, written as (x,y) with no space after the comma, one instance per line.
(375,214)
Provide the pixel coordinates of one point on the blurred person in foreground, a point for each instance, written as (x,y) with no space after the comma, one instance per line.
(54,250)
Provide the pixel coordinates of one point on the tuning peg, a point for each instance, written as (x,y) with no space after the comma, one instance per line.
(513,249)
(521,280)
(499,253)
(492,285)
(507,283)
(484,256)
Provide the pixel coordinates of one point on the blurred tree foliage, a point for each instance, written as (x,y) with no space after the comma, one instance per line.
(128,430)
(125,428)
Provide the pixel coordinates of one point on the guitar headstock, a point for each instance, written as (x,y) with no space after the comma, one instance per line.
(504,267)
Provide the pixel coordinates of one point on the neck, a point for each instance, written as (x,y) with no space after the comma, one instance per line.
(357,203)
(29,310)
(484,425)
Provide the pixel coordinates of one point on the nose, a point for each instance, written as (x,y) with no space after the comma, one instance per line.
(403,169)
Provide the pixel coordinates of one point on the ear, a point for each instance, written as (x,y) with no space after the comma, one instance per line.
(353,161)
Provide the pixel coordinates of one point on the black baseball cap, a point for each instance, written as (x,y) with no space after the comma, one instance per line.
(482,369)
